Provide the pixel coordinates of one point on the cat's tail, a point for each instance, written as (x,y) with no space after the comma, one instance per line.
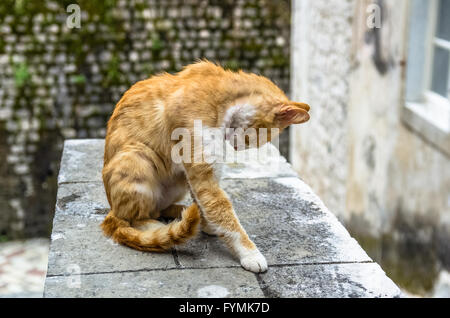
(160,238)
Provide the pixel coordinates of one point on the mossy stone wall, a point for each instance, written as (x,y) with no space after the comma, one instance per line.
(58,82)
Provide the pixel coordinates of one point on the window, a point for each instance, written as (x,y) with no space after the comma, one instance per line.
(427,107)
(441,49)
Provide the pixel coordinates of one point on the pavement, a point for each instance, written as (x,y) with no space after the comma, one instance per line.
(23,266)
(309,252)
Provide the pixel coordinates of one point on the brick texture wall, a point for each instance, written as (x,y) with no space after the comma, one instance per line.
(58,82)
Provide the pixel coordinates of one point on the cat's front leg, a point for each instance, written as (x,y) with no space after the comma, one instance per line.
(221,219)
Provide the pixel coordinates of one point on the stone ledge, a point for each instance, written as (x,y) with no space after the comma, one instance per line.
(310,254)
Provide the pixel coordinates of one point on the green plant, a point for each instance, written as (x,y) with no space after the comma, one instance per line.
(78,79)
(157,44)
(232,65)
(21,74)
(113,72)
(19,6)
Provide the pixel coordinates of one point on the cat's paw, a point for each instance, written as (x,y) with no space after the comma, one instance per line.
(254,262)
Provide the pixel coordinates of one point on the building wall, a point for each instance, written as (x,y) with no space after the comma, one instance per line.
(58,83)
(321,47)
(388,185)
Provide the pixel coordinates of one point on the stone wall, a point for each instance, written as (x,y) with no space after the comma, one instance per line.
(58,82)
(388,185)
(321,46)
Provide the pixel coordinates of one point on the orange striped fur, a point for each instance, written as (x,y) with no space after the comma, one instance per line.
(142,182)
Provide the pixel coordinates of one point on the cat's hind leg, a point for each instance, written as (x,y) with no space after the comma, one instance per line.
(134,191)
(132,186)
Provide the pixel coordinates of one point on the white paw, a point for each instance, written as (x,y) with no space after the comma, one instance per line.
(254,262)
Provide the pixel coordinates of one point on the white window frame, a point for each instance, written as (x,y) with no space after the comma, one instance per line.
(427,112)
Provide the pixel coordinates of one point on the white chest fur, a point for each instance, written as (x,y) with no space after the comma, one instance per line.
(239,116)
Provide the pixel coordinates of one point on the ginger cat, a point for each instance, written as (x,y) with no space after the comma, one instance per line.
(141,180)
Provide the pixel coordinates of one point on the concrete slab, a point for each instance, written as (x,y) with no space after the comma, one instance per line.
(82,160)
(77,239)
(354,280)
(82,199)
(189,283)
(78,245)
(264,162)
(286,228)
(310,254)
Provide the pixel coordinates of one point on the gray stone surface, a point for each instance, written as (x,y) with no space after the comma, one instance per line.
(81,161)
(287,228)
(328,280)
(264,162)
(310,254)
(77,242)
(210,282)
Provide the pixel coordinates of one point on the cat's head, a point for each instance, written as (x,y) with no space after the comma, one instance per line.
(262,112)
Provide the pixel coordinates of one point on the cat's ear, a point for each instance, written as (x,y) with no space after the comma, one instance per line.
(294,113)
